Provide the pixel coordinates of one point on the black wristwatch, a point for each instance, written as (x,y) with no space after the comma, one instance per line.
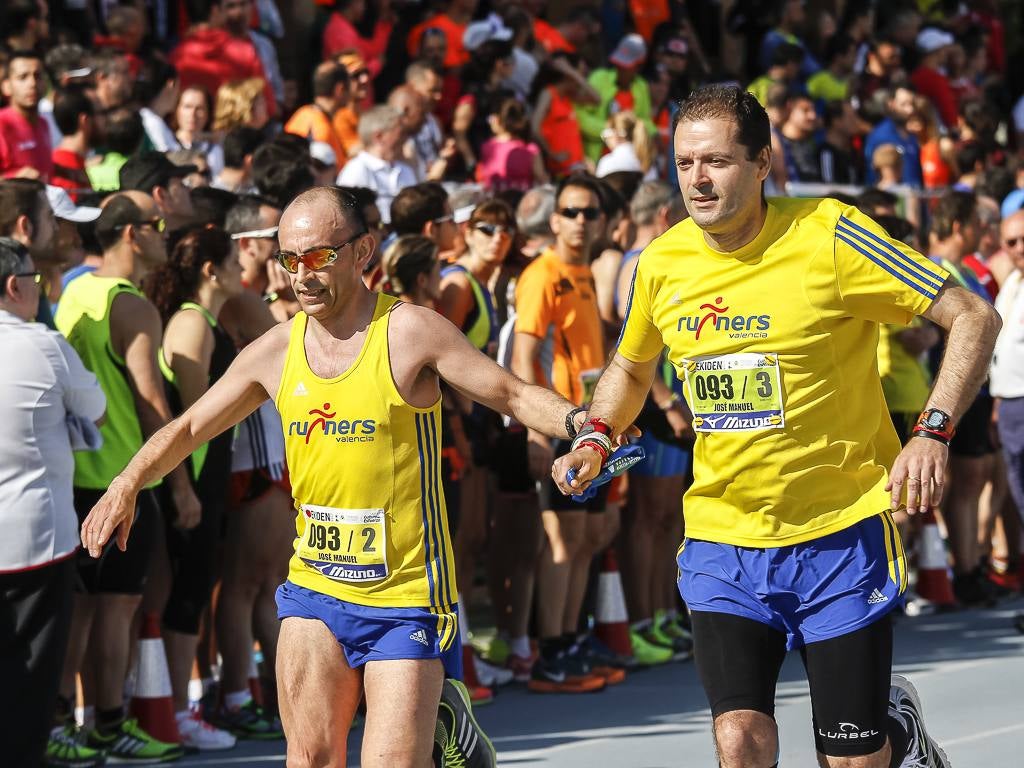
(570,428)
(935,419)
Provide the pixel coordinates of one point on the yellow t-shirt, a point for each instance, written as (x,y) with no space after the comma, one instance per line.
(776,343)
(824,85)
(365,470)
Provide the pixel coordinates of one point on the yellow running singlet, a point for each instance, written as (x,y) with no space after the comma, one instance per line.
(365,471)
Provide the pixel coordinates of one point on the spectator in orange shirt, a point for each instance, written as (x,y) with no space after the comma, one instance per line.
(315,121)
(453,22)
(346,118)
(341,34)
(580,25)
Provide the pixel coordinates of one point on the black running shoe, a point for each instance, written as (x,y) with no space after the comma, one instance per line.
(459,740)
(905,707)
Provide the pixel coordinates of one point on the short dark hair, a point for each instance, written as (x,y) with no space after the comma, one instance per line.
(20,197)
(787,53)
(611,201)
(23,54)
(954,207)
(119,211)
(580,181)
(153,76)
(124,132)
(364,196)
(969,155)
(244,215)
(281,171)
(200,10)
(239,142)
(12,259)
(325,78)
(832,112)
(414,206)
(873,198)
(17,14)
(68,106)
(210,206)
(731,103)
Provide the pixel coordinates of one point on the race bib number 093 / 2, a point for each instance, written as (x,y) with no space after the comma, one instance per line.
(348,545)
(735,393)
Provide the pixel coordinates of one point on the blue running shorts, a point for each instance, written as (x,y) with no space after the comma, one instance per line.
(378,634)
(812,591)
(663,459)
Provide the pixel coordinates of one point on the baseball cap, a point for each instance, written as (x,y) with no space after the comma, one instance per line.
(64,207)
(323,153)
(151,169)
(630,51)
(930,40)
(480,32)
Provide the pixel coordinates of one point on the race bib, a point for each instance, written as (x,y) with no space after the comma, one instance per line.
(348,545)
(735,393)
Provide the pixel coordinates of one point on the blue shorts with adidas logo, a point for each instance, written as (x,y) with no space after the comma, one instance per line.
(812,591)
(379,634)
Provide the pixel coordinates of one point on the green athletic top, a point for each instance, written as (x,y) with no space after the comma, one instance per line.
(83,316)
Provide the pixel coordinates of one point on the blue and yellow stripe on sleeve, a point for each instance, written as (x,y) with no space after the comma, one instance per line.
(884,254)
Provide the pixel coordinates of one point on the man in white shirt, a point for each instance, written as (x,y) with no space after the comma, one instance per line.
(45,397)
(377,166)
(1006,379)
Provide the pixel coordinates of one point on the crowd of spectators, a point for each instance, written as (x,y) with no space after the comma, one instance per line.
(512,159)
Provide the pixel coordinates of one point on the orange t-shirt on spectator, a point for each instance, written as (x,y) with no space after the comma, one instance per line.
(316,125)
(561,133)
(346,127)
(934,170)
(455,54)
(558,302)
(647,15)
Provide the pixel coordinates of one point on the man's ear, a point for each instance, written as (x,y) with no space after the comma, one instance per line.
(23,228)
(159,195)
(764,162)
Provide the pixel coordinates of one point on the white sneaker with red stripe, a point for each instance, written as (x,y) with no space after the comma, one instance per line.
(196,733)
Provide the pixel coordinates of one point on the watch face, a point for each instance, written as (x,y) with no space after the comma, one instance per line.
(935,420)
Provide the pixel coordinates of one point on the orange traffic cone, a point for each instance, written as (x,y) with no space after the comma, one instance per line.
(152,703)
(611,622)
(255,687)
(933,582)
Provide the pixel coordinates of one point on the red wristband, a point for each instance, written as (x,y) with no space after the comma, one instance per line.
(599,425)
(595,446)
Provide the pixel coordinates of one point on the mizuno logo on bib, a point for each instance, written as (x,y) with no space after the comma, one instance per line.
(735,393)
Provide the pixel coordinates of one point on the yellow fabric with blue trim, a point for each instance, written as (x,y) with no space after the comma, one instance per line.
(777,344)
(365,470)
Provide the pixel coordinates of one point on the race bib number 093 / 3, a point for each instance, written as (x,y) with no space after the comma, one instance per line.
(735,393)
(348,545)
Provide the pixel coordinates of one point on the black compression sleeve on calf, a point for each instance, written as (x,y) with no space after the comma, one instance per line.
(898,741)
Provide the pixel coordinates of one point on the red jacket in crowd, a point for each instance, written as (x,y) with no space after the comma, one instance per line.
(209,57)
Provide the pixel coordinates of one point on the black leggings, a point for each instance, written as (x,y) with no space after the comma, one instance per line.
(739,659)
(193,556)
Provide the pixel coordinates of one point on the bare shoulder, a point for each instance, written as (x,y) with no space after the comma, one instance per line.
(132,308)
(419,332)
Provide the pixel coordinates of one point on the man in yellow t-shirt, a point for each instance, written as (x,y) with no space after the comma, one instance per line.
(770,311)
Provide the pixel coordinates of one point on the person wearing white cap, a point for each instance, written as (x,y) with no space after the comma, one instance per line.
(930,79)
(620,88)
(68,242)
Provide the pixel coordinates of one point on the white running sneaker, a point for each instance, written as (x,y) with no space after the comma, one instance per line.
(491,676)
(196,733)
(905,707)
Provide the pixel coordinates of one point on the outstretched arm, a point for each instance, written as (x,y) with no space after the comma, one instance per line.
(447,351)
(235,395)
(972,325)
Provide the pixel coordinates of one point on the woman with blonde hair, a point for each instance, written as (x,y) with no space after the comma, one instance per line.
(241,103)
(631,147)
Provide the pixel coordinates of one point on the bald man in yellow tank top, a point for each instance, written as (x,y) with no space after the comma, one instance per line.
(370,602)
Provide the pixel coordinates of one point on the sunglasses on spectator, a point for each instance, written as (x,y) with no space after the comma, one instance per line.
(157,223)
(316,259)
(37,277)
(493,229)
(590,214)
